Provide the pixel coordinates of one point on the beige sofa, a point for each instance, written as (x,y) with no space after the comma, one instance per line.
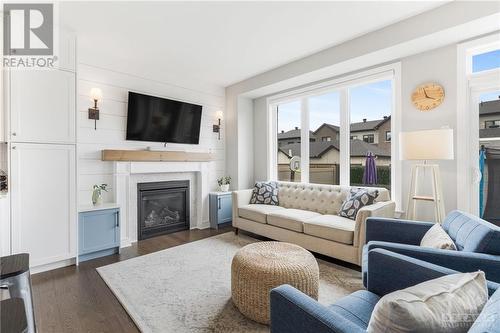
(307,215)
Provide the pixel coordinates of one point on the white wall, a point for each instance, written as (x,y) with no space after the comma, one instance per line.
(434,66)
(111,127)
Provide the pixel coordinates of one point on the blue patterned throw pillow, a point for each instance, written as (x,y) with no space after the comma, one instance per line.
(265,193)
(357,200)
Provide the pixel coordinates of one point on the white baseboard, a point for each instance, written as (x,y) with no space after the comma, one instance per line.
(53,265)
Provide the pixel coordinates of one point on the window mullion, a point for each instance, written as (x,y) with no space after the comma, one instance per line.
(344,160)
(304,140)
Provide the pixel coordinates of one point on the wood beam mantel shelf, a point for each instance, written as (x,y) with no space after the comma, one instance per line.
(154,156)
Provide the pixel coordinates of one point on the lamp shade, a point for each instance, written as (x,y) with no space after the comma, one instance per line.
(426,145)
(96,94)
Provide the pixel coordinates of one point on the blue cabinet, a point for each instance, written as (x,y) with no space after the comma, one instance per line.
(220,208)
(98,233)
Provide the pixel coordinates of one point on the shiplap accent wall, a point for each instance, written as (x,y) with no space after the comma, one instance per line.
(111,127)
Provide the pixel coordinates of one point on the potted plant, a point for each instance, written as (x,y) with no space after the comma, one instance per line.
(97,193)
(224,183)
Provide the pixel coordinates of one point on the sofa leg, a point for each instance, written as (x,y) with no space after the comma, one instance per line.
(236,231)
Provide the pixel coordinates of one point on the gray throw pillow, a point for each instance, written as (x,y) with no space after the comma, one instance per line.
(265,193)
(357,200)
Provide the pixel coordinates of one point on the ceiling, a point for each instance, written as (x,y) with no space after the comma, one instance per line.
(219,43)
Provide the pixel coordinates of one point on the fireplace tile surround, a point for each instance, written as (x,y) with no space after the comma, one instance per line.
(128,174)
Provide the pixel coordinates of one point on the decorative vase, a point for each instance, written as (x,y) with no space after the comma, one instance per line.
(224,188)
(96,197)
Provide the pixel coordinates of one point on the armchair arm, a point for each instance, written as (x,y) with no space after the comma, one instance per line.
(456,260)
(240,198)
(378,209)
(389,271)
(294,312)
(396,231)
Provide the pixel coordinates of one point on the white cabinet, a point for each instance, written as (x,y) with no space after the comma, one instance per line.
(42,106)
(43,201)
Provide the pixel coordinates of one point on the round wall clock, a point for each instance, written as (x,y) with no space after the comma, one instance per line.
(427,96)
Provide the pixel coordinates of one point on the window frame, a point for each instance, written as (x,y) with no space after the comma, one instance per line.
(470,84)
(342,84)
(390,136)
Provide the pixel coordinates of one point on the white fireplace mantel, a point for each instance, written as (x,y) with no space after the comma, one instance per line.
(128,174)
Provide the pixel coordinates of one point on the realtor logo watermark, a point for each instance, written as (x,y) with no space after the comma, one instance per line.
(28,35)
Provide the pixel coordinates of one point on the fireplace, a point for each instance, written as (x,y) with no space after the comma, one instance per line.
(162,208)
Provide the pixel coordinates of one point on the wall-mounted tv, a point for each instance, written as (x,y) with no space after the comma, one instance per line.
(158,119)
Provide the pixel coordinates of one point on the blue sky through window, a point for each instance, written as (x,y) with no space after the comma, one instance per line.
(371,101)
(486,61)
(490,96)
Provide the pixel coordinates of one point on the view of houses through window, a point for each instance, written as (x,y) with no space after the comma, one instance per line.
(369,110)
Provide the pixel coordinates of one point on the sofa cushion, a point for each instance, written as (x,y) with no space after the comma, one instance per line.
(319,198)
(356,307)
(437,238)
(265,193)
(357,200)
(332,227)
(257,213)
(472,234)
(450,303)
(291,219)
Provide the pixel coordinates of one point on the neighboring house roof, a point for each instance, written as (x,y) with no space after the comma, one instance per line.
(358,127)
(332,127)
(490,107)
(368,125)
(295,133)
(319,148)
(361,148)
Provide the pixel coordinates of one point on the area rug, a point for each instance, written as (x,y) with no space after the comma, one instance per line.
(187,288)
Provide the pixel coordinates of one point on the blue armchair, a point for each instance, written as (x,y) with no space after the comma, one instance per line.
(294,312)
(477,241)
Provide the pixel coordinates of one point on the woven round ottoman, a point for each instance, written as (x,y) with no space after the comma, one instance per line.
(259,267)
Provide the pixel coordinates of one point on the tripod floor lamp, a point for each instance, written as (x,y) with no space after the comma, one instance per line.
(427,145)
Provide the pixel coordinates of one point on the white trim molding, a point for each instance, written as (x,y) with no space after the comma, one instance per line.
(469,85)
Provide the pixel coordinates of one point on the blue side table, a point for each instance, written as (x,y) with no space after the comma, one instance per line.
(220,204)
(98,231)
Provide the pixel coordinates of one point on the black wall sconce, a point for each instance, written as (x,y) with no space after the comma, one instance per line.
(217,126)
(96,95)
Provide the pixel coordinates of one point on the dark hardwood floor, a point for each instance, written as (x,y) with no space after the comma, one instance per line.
(76,299)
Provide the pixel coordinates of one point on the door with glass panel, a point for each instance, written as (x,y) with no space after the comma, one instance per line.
(487,177)
(484,154)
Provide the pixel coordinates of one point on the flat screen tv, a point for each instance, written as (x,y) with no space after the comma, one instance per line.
(158,119)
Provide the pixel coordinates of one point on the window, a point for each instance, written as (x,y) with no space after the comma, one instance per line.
(288,123)
(324,121)
(486,61)
(325,117)
(492,124)
(370,138)
(371,106)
